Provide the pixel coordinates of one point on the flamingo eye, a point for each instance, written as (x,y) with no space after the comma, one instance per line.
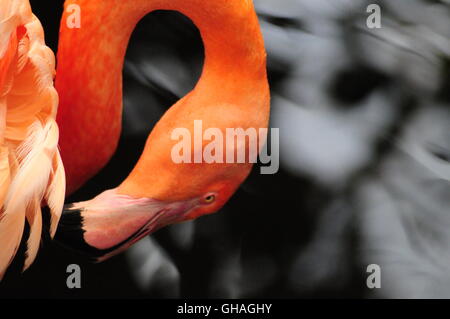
(208,199)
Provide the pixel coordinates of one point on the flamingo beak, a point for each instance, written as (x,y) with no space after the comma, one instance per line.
(110,223)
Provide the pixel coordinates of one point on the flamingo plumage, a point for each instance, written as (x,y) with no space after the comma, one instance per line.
(31,170)
(232,92)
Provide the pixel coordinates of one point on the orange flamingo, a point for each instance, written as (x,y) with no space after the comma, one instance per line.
(30,166)
(232,92)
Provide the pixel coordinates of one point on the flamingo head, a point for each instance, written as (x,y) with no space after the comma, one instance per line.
(112,221)
(116,219)
(159,191)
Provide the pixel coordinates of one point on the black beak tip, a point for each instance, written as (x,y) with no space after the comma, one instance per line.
(70,234)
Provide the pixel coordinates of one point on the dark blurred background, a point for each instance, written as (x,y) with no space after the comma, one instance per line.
(364,120)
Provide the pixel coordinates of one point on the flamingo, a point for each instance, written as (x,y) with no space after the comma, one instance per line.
(31,170)
(232,92)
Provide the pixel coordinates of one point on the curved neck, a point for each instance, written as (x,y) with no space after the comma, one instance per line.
(90,62)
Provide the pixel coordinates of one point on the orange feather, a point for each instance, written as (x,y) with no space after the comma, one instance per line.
(29,158)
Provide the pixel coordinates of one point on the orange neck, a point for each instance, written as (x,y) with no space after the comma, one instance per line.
(90,62)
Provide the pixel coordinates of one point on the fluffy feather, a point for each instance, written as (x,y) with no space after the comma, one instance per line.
(30,166)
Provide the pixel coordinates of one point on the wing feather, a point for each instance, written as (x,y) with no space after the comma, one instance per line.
(34,218)
(31,169)
(56,192)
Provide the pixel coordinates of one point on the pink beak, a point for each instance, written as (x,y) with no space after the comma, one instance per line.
(110,223)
